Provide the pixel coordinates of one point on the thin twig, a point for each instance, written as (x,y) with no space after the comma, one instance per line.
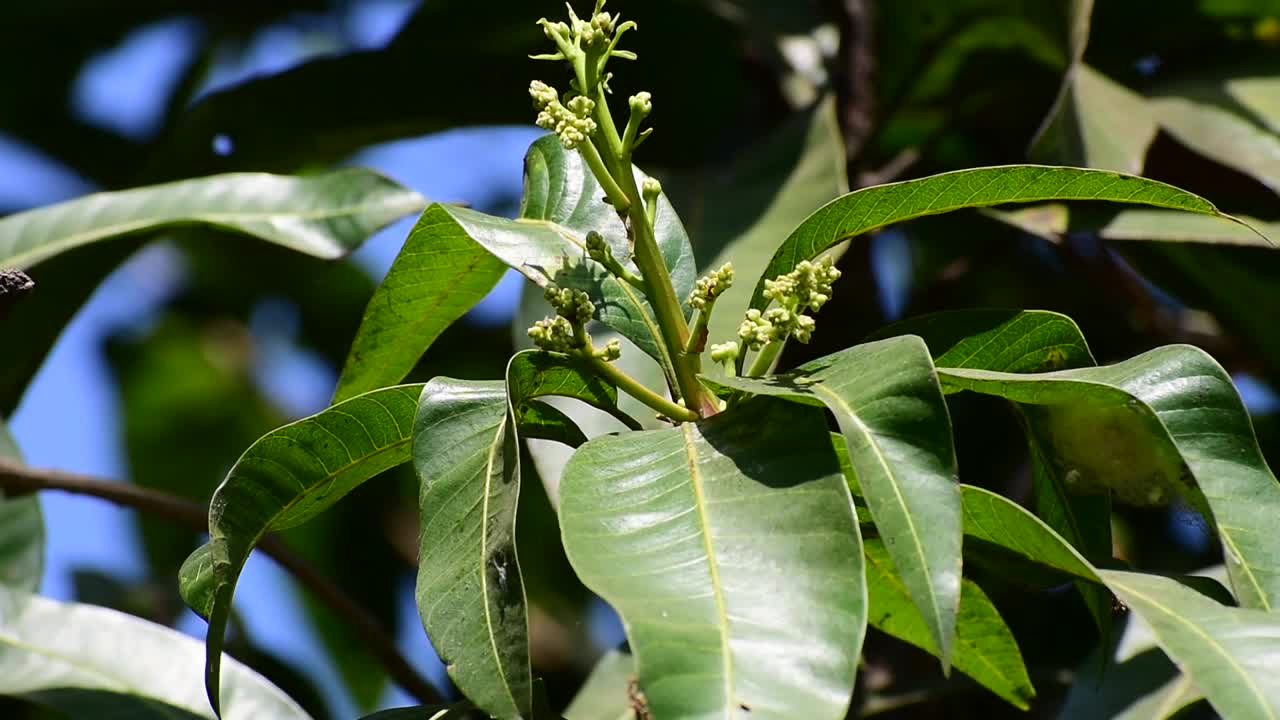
(16,480)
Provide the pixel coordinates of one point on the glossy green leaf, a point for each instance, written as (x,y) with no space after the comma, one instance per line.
(887,402)
(469,591)
(1028,341)
(1229,653)
(876,207)
(605,695)
(439,274)
(466,453)
(992,339)
(994,521)
(561,204)
(65,655)
(768,192)
(730,551)
(984,646)
(463,711)
(322,215)
(1133,427)
(287,477)
(22,531)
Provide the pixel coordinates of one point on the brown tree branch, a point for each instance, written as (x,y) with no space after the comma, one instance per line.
(14,285)
(854,75)
(16,480)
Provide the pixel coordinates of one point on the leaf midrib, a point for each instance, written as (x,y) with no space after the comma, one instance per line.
(722,612)
(494,450)
(848,410)
(1210,640)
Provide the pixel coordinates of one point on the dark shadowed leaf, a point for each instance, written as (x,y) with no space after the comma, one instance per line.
(886,399)
(730,550)
(1098,123)
(984,646)
(876,207)
(285,478)
(75,657)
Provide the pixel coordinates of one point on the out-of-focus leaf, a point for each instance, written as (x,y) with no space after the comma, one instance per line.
(984,646)
(463,711)
(1166,422)
(741,218)
(605,694)
(886,400)
(1099,123)
(873,208)
(1223,136)
(285,478)
(730,550)
(21,531)
(74,657)
(994,520)
(439,274)
(323,215)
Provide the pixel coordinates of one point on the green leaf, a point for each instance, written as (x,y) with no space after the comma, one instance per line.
(22,531)
(1133,427)
(439,274)
(768,192)
(993,339)
(1028,341)
(984,646)
(466,454)
(887,402)
(65,655)
(995,521)
(462,711)
(322,215)
(730,550)
(1229,653)
(1223,136)
(562,202)
(605,695)
(285,478)
(469,591)
(876,207)
(1099,123)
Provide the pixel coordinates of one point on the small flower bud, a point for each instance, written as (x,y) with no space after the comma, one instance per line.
(711,286)
(611,351)
(725,352)
(597,248)
(542,94)
(554,335)
(651,189)
(641,104)
(573,305)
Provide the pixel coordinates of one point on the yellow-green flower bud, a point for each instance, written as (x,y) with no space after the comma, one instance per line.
(574,305)
(725,352)
(641,104)
(555,335)
(542,94)
(711,286)
(611,351)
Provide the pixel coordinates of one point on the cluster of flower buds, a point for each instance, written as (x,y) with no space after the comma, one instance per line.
(565,333)
(808,287)
(571,122)
(581,41)
(711,286)
(554,334)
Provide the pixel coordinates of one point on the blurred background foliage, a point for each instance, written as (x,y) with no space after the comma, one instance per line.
(214,340)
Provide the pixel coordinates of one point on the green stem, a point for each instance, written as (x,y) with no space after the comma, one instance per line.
(617,196)
(638,390)
(698,329)
(648,258)
(764,359)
